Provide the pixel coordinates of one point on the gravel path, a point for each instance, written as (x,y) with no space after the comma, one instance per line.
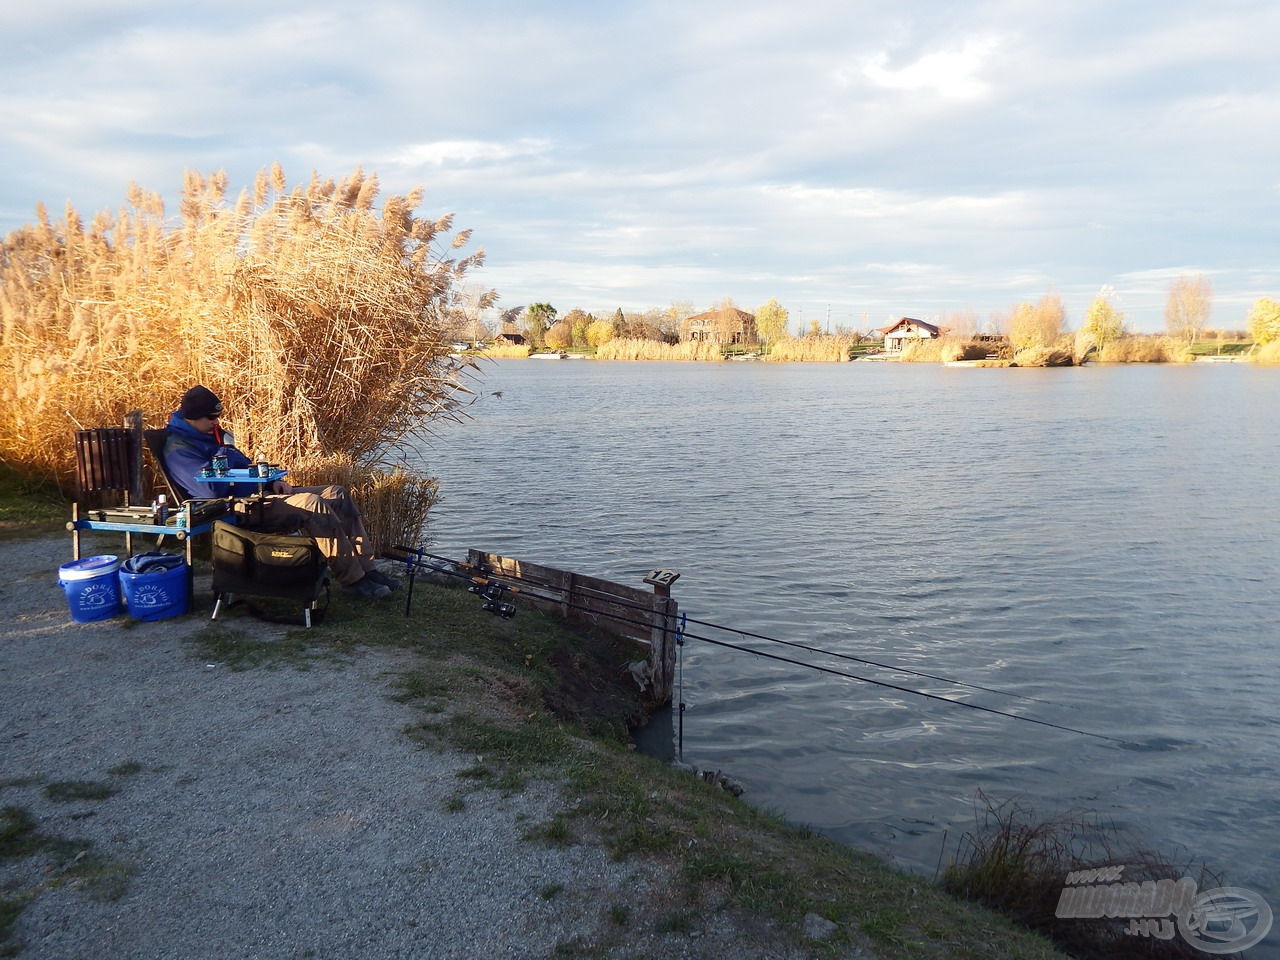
(272,813)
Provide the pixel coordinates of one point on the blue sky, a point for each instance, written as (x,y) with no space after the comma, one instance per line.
(869,159)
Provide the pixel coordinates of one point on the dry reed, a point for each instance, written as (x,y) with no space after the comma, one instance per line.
(1266,353)
(506,351)
(625,348)
(820,349)
(319,319)
(1055,356)
(1019,864)
(395,504)
(945,350)
(1139,349)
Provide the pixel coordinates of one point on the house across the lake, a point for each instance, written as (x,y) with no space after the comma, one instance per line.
(896,335)
(726,325)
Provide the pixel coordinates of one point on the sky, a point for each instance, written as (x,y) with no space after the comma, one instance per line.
(857,161)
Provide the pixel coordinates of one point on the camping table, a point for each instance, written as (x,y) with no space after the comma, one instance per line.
(242,475)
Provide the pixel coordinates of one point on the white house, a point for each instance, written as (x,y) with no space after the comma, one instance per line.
(897,334)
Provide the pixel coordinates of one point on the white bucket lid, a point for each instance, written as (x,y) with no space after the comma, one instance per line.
(89,567)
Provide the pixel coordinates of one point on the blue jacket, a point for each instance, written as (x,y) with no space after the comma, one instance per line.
(187,450)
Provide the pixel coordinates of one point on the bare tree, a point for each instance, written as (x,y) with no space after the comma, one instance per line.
(1187,309)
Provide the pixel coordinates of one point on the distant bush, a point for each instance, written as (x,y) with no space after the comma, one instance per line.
(820,349)
(922,351)
(958,349)
(632,349)
(948,349)
(1137,349)
(506,351)
(1055,356)
(1266,353)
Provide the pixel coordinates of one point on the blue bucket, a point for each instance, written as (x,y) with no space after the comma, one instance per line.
(158,590)
(92,586)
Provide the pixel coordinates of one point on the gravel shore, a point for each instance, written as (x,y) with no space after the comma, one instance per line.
(275,813)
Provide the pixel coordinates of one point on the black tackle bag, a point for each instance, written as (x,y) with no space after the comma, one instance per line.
(255,564)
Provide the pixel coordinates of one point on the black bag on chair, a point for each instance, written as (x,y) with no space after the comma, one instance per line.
(254,564)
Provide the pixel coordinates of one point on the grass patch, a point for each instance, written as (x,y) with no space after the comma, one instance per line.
(556,832)
(17,782)
(235,648)
(29,507)
(67,862)
(677,921)
(549,891)
(70,791)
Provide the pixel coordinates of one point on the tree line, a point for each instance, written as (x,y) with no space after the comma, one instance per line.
(1188,308)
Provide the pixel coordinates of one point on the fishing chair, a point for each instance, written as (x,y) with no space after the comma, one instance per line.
(251,563)
(109,461)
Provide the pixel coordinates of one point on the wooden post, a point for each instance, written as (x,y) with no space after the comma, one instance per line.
(133,423)
(662,647)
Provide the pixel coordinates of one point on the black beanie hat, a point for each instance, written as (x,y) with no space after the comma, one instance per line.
(200,402)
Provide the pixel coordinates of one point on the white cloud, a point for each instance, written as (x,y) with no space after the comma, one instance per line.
(953,74)
(443,153)
(930,152)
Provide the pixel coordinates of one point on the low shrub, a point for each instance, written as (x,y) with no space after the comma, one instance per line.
(1055,356)
(832,349)
(1018,864)
(506,351)
(630,348)
(1144,350)
(922,351)
(394,503)
(1266,353)
(965,350)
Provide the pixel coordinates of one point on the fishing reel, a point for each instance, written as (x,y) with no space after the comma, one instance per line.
(492,592)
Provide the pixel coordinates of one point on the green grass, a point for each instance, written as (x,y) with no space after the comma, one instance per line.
(556,832)
(1228,348)
(29,508)
(69,791)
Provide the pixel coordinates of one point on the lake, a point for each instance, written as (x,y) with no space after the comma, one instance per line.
(1103,539)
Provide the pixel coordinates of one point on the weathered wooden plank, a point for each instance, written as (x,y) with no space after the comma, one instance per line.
(648,619)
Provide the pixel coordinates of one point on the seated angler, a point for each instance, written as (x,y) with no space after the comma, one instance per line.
(326,514)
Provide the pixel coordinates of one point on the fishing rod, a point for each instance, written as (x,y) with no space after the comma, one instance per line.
(918,693)
(493,592)
(613,601)
(683,634)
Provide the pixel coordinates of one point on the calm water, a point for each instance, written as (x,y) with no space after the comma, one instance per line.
(1107,539)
